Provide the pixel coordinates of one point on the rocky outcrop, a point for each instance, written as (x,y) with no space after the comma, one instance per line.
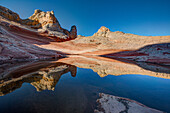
(113,104)
(73,32)
(10,15)
(103,31)
(21,48)
(43,31)
(46,19)
(157,53)
(19,38)
(44,22)
(106,41)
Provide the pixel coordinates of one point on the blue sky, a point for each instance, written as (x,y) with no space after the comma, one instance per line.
(142,17)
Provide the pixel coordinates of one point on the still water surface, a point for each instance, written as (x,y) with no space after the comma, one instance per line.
(78,93)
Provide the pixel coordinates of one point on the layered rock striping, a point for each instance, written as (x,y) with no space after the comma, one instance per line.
(43,21)
(18,37)
(42,32)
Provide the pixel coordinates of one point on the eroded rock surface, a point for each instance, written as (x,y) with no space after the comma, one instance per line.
(43,32)
(103,31)
(19,37)
(106,41)
(12,47)
(10,15)
(157,53)
(45,22)
(113,104)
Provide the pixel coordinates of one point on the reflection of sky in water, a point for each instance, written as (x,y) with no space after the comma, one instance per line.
(79,94)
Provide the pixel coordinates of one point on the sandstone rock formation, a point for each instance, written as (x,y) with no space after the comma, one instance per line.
(20,48)
(47,20)
(73,32)
(43,21)
(103,31)
(157,53)
(105,42)
(19,38)
(113,104)
(42,31)
(10,15)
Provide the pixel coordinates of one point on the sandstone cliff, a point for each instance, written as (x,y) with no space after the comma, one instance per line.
(19,37)
(43,21)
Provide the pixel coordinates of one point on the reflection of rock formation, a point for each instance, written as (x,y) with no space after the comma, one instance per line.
(50,76)
(113,104)
(106,66)
(43,76)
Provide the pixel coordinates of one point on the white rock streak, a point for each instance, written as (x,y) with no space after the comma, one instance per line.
(113,104)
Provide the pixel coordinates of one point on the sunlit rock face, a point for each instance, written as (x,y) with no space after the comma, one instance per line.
(20,38)
(26,38)
(49,23)
(10,15)
(113,104)
(105,41)
(43,76)
(46,19)
(102,31)
(20,48)
(44,22)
